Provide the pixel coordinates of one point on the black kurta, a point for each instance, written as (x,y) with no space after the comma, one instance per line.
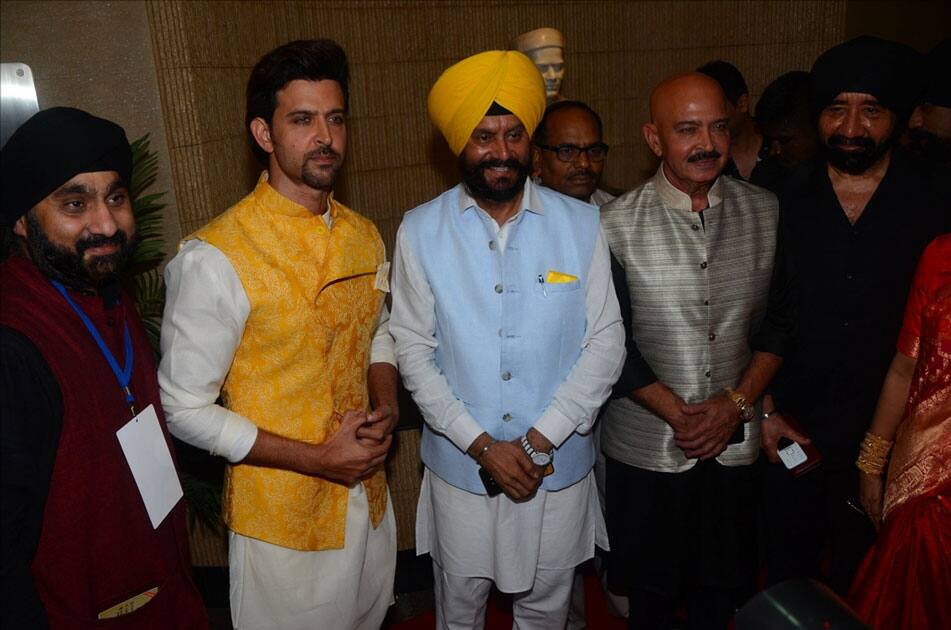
(850,283)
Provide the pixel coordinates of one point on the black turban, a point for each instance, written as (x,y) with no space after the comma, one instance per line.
(889,71)
(938,91)
(52,147)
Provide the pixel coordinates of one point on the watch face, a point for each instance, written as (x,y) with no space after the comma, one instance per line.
(541,459)
(747,413)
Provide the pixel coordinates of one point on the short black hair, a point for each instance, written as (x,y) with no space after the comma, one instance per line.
(729,78)
(541,132)
(310,59)
(786,99)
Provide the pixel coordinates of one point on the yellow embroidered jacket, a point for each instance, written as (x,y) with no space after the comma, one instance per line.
(303,357)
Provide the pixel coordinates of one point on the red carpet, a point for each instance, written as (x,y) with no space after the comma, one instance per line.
(499,612)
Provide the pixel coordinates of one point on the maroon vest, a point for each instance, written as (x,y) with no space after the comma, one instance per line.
(97,547)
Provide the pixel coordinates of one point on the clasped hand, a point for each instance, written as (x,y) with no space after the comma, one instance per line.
(703,429)
(359,446)
(512,469)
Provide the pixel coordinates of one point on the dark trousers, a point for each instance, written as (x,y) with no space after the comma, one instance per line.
(808,517)
(676,535)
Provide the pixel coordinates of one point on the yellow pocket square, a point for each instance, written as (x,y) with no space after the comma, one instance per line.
(556,277)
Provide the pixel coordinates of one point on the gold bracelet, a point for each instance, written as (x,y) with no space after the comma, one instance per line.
(874,454)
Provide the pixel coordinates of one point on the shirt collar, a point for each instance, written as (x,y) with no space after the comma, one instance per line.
(531,200)
(679,200)
(268,197)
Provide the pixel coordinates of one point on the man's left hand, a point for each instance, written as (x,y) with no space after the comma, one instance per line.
(380,423)
(713,422)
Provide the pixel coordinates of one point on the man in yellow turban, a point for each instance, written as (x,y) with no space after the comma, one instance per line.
(509,336)
(466,91)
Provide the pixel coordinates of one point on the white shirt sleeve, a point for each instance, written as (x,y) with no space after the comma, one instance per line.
(413,325)
(576,402)
(206,308)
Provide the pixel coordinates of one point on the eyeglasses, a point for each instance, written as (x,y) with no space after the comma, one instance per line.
(569,152)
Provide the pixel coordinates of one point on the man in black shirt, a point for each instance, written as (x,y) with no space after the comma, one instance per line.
(852,228)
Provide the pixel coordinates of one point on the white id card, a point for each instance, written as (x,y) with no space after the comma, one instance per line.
(382,282)
(792,456)
(150,461)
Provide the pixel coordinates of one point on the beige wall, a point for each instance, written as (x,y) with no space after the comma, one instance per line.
(616,51)
(95,56)
(99,56)
(918,23)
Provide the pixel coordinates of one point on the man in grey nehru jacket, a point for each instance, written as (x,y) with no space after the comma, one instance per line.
(697,249)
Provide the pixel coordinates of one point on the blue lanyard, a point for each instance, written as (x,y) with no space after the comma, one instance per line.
(124,376)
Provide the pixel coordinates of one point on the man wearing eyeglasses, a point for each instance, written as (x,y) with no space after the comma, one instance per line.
(568,153)
(568,156)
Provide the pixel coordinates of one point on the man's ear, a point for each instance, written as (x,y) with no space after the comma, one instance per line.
(652,136)
(743,103)
(262,134)
(536,161)
(19,228)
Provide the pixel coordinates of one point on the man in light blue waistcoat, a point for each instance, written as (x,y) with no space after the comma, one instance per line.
(509,336)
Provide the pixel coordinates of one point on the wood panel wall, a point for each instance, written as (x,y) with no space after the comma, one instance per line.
(616,52)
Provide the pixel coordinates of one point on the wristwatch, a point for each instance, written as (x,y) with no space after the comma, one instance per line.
(539,458)
(747,411)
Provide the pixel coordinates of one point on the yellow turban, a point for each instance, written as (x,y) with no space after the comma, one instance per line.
(464,92)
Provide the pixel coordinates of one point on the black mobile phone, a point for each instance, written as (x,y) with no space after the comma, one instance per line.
(738,435)
(492,487)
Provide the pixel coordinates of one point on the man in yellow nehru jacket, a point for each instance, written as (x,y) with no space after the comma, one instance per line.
(277,307)
(509,337)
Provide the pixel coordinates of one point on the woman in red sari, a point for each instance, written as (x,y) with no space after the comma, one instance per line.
(905,580)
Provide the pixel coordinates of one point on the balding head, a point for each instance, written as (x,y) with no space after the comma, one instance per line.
(689,130)
(688,87)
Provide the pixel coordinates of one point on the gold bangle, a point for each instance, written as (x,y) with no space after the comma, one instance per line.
(874,454)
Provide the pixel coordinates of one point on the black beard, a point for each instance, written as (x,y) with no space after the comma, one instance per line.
(59,263)
(322,180)
(929,146)
(476,185)
(855,162)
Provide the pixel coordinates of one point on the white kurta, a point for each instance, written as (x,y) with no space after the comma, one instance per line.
(475,535)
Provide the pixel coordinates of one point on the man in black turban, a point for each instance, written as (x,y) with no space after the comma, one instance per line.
(83,538)
(862,93)
(852,227)
(42,157)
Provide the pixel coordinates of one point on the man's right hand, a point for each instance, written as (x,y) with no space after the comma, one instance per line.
(774,428)
(661,400)
(510,466)
(344,457)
